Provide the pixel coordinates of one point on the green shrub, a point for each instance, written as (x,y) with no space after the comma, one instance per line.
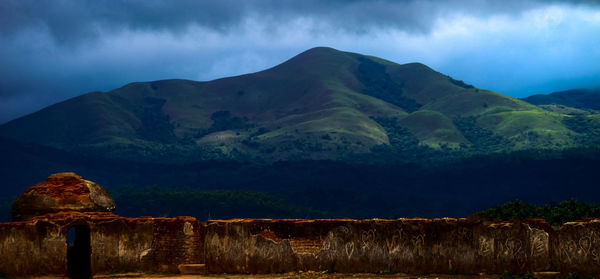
(556,214)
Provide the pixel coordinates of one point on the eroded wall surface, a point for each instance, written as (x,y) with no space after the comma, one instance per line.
(146,244)
(414,246)
(118,244)
(577,248)
(176,241)
(403,245)
(32,248)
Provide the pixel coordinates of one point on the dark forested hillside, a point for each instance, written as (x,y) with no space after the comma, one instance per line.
(357,188)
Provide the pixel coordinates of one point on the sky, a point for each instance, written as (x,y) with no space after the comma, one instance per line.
(51,51)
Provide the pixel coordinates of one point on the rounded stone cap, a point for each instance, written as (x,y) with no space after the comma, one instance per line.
(65,191)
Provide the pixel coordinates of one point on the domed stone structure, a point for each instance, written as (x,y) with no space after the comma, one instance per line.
(62,192)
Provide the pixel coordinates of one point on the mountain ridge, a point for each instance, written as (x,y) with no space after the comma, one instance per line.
(320,104)
(580,98)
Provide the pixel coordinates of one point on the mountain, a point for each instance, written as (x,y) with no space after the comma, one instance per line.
(575,98)
(324,134)
(321,104)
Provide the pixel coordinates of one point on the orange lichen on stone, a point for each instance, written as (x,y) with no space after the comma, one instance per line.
(582,222)
(62,192)
(61,186)
(408,220)
(67,217)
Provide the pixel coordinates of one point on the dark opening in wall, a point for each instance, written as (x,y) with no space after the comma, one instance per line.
(78,252)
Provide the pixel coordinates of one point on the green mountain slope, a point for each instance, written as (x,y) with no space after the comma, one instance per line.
(321,104)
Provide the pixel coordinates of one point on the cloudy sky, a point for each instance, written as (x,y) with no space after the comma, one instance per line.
(54,50)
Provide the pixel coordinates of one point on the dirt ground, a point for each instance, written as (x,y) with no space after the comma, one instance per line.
(303,275)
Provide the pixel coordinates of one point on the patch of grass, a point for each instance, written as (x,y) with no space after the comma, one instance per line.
(341,120)
(385,272)
(432,128)
(511,123)
(473,102)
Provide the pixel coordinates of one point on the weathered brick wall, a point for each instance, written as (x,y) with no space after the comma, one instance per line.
(263,246)
(403,245)
(146,244)
(413,246)
(32,248)
(176,241)
(118,244)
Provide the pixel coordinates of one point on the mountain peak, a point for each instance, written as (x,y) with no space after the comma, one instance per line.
(317,53)
(315,60)
(321,50)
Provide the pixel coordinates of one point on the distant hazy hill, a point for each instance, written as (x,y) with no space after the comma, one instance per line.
(576,98)
(321,104)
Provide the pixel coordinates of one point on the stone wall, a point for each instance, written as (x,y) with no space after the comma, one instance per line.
(414,246)
(146,244)
(32,248)
(176,241)
(577,247)
(118,244)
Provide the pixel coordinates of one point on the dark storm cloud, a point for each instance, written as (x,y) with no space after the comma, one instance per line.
(72,21)
(79,20)
(54,50)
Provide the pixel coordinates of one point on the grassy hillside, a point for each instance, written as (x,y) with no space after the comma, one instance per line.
(320,105)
